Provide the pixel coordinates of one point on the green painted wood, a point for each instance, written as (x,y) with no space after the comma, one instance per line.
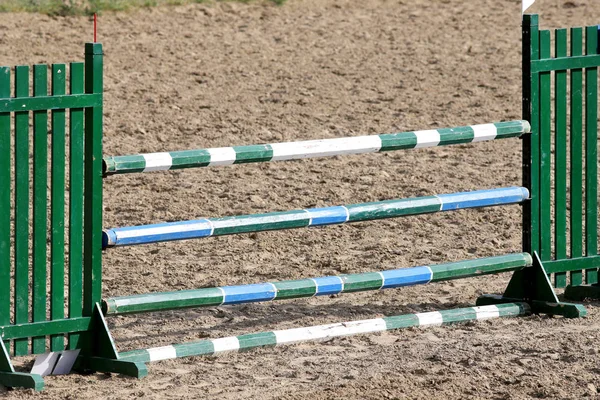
(559,64)
(254,340)
(458,315)
(103,342)
(50,103)
(183,159)
(5,206)
(450,136)
(591,154)
(92,275)
(185,349)
(572,264)
(207,297)
(295,289)
(5,363)
(260,222)
(59,326)
(253,153)
(398,141)
(362,282)
(576,156)
(40,206)
(393,208)
(508,129)
(57,208)
(480,266)
(567,310)
(22,380)
(21,277)
(76,168)
(401,321)
(545,152)
(106,365)
(530,153)
(560,156)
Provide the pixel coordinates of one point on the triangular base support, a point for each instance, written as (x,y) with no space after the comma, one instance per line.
(10,378)
(103,356)
(533,286)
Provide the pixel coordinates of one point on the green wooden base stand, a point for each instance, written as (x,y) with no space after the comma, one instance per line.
(533,286)
(10,378)
(102,354)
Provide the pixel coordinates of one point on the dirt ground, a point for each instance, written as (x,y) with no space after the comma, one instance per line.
(224,74)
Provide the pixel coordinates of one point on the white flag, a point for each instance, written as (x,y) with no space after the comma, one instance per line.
(527,4)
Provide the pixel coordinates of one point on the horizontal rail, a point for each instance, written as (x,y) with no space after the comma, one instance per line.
(572,264)
(42,103)
(320,332)
(143,234)
(325,286)
(565,63)
(45,328)
(312,148)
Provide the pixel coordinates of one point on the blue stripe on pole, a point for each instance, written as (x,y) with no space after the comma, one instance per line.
(405,277)
(482,198)
(158,232)
(248,293)
(328,285)
(327,215)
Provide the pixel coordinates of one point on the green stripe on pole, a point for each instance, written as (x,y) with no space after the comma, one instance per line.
(164,301)
(480,266)
(260,222)
(190,159)
(188,349)
(508,129)
(398,141)
(134,163)
(393,208)
(295,289)
(362,282)
(253,153)
(456,135)
(254,340)
(401,321)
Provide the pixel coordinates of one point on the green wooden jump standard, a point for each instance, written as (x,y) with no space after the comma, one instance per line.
(76,321)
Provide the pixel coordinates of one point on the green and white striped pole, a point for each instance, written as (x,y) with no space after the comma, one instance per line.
(320,332)
(312,148)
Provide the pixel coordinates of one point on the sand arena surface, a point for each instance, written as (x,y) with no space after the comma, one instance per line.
(232,74)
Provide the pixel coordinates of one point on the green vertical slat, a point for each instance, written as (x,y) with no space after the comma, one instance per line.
(5,182)
(591,154)
(57,210)
(576,155)
(21,302)
(76,203)
(92,263)
(560,156)
(545,151)
(40,205)
(531,142)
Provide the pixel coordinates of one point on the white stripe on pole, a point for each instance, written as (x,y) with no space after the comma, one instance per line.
(527,4)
